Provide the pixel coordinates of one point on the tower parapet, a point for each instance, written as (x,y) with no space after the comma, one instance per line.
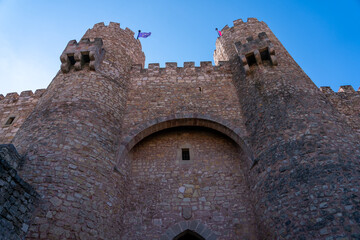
(255,51)
(225,49)
(121,48)
(78,54)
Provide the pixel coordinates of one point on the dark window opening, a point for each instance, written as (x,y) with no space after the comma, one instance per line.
(185,153)
(249,39)
(86,57)
(251,60)
(10,121)
(72,60)
(265,54)
(188,235)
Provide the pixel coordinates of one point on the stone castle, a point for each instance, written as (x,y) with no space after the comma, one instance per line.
(247,149)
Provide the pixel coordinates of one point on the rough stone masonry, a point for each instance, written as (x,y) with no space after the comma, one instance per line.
(247,149)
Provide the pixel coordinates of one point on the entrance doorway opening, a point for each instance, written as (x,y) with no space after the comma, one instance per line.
(188,235)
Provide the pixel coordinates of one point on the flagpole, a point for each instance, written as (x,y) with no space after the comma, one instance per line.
(216,29)
(138,34)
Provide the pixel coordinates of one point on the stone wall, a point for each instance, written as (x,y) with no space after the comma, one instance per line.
(305,175)
(211,187)
(70,139)
(16,107)
(158,93)
(347,102)
(272,156)
(18,199)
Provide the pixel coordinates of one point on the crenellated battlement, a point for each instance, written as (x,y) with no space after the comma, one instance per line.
(347,101)
(239,22)
(121,48)
(14,109)
(188,68)
(240,32)
(256,51)
(342,89)
(24,96)
(113,26)
(78,54)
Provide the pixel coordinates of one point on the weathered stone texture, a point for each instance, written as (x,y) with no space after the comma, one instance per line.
(347,102)
(18,199)
(17,107)
(157,93)
(300,145)
(271,155)
(211,187)
(70,142)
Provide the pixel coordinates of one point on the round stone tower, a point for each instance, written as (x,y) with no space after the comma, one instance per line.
(71,137)
(305,175)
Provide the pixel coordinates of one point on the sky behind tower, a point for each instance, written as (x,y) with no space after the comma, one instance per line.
(322,36)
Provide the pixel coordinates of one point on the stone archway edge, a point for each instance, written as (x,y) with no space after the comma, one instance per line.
(194,225)
(178,120)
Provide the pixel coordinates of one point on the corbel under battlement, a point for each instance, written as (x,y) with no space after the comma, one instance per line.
(77,54)
(255,51)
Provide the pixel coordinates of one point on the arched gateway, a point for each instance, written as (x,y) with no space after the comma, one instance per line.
(192,169)
(188,235)
(193,230)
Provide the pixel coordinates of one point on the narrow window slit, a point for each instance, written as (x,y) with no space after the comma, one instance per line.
(251,60)
(185,153)
(72,60)
(265,54)
(9,121)
(86,57)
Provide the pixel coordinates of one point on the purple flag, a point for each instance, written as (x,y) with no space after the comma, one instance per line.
(144,34)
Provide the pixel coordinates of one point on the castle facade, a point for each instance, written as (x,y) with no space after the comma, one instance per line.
(247,149)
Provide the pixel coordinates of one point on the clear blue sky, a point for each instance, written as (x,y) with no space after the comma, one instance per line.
(322,36)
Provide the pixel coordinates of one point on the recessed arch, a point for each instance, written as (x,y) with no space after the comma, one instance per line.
(188,235)
(193,228)
(155,125)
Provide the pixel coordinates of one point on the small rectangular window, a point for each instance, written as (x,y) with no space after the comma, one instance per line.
(185,154)
(251,59)
(265,54)
(72,59)
(9,121)
(86,57)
